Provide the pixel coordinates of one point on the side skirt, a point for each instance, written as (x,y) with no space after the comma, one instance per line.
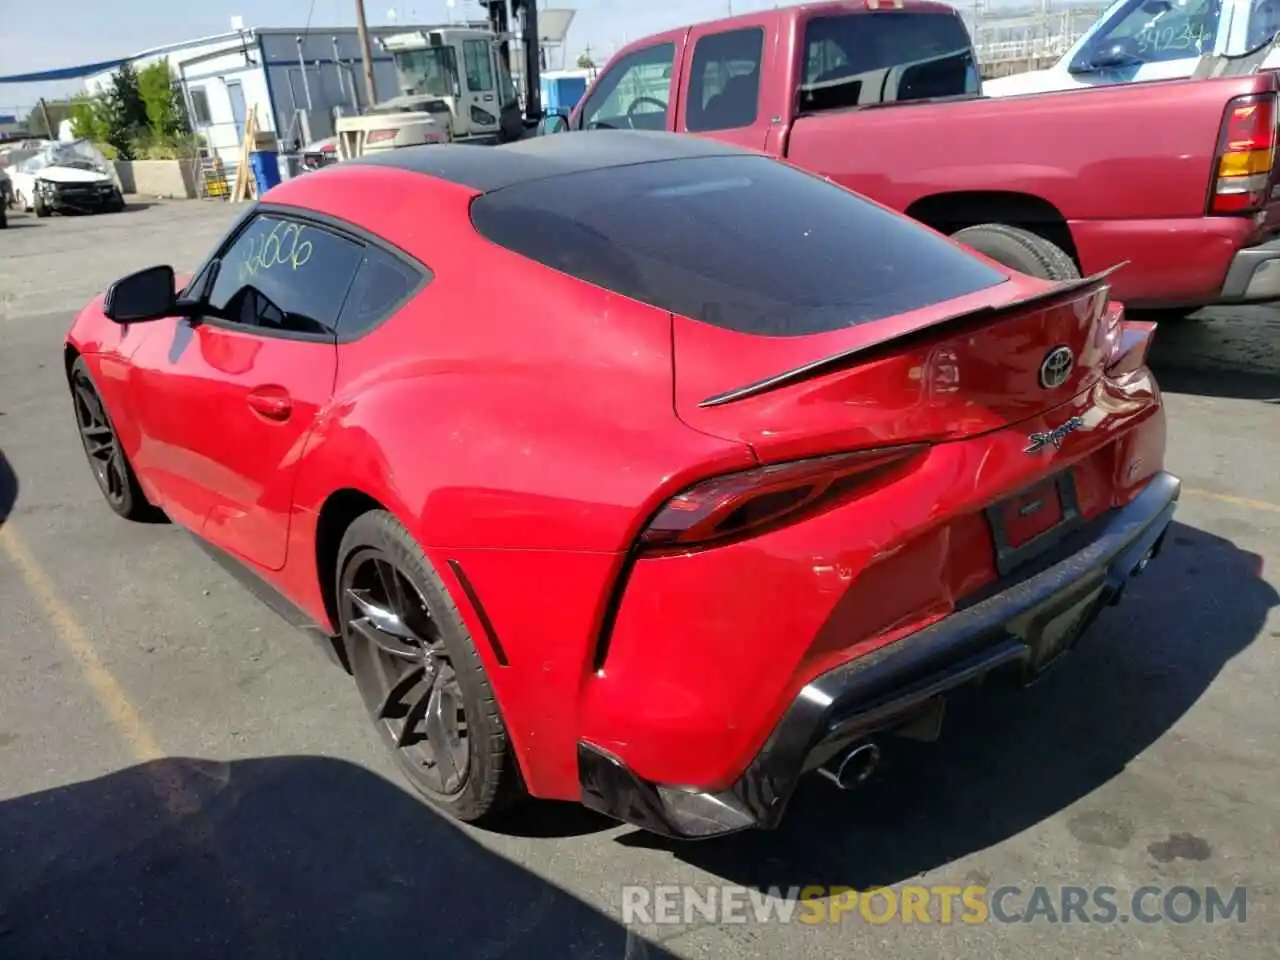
(295,616)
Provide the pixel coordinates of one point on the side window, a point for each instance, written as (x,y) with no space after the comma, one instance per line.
(1151,31)
(382,284)
(285,275)
(632,94)
(724,81)
(200,106)
(478,62)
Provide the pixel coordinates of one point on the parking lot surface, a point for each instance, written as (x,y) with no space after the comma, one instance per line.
(182,774)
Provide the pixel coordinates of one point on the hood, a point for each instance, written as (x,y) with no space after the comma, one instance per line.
(1033,81)
(71,175)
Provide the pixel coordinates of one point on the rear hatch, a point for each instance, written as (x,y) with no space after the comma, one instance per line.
(805,318)
(957,369)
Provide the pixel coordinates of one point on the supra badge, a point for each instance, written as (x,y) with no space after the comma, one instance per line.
(1055,369)
(1052,438)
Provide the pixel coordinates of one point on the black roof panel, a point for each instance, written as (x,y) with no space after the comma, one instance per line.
(491,168)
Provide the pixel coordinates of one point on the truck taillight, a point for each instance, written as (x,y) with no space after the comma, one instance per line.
(379,136)
(739,504)
(1246,154)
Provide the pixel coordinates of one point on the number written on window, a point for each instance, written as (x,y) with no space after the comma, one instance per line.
(285,275)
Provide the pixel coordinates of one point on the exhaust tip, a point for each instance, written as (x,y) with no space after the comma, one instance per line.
(851,769)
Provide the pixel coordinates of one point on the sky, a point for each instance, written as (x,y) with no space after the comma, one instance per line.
(60,33)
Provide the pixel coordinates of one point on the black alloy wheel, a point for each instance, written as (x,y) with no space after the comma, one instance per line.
(116,479)
(420,677)
(410,686)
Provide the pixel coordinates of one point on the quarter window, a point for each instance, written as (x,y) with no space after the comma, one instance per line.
(633,94)
(382,284)
(724,90)
(285,275)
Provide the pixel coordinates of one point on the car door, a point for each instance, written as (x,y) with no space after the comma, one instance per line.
(637,91)
(227,401)
(480,100)
(722,90)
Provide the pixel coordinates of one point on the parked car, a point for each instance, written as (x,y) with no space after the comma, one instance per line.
(1139,40)
(66,178)
(655,474)
(1174,178)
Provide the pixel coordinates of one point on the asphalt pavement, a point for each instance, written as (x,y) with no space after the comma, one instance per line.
(182,774)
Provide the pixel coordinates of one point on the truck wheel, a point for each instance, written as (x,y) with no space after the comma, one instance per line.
(1020,250)
(41,209)
(419,673)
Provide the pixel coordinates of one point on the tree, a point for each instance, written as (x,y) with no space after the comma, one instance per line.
(88,118)
(585,62)
(125,111)
(162,99)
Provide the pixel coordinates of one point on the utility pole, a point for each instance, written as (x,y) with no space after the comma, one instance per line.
(362,33)
(44,113)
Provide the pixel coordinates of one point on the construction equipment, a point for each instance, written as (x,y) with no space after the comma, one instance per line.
(455,85)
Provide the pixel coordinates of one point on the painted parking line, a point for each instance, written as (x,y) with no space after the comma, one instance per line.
(179,800)
(1234,500)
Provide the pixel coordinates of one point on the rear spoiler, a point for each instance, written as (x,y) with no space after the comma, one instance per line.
(815,368)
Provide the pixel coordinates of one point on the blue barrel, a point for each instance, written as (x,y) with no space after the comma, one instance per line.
(265,165)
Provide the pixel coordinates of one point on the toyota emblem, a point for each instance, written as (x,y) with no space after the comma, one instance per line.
(1055,369)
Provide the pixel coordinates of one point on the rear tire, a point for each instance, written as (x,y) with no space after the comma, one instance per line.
(1020,250)
(419,674)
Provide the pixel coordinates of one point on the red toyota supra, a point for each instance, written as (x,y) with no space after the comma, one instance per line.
(634,469)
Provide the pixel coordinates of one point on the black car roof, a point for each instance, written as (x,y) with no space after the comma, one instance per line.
(489,168)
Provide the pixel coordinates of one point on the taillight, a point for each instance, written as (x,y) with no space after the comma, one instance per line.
(737,504)
(1246,154)
(379,136)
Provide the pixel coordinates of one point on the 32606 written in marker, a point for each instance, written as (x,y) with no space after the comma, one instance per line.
(939,904)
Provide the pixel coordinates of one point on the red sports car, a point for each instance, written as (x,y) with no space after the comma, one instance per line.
(634,469)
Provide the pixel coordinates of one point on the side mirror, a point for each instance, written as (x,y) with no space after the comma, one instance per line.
(1118,53)
(149,294)
(555,121)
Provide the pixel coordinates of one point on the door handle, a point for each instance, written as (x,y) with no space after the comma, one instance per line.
(273,403)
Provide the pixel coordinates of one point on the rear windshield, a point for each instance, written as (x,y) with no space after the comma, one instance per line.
(739,242)
(871,58)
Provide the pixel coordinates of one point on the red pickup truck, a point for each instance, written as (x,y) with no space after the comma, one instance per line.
(884,97)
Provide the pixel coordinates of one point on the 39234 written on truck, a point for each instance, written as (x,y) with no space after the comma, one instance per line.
(883,96)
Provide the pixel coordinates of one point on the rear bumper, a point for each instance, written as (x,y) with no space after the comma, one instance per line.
(1193,262)
(1254,275)
(1048,607)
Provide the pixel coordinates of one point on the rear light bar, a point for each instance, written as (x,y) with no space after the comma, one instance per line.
(738,504)
(1246,155)
(379,136)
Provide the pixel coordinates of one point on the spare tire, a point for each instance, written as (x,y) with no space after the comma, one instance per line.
(1020,250)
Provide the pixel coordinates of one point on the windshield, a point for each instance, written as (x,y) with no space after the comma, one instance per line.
(740,242)
(866,59)
(433,71)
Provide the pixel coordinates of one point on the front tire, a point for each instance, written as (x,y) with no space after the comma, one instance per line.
(42,210)
(111,468)
(1020,250)
(419,674)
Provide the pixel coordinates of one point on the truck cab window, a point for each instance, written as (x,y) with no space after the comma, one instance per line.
(864,59)
(633,94)
(724,80)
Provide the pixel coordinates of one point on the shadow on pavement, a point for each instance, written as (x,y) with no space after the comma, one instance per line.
(8,488)
(1215,383)
(1010,758)
(279,857)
